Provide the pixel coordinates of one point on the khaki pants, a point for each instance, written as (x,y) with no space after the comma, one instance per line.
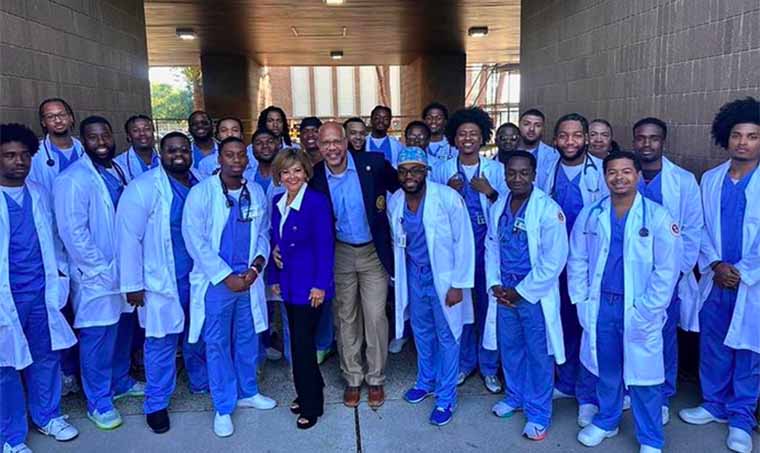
(361,289)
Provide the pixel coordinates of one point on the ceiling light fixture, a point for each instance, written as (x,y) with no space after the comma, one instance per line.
(336,54)
(478,32)
(333,2)
(187,34)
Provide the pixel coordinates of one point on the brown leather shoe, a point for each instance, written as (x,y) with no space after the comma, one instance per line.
(376,396)
(351,396)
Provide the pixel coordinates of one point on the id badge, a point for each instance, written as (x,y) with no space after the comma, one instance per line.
(401,240)
(520,224)
(481,219)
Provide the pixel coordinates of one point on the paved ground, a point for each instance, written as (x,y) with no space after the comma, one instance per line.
(396,427)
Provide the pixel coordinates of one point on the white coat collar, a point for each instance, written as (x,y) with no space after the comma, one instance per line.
(295,204)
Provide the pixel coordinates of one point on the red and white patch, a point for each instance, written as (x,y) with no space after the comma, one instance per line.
(675,230)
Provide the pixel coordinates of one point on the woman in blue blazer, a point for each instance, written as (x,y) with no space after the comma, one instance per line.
(303,247)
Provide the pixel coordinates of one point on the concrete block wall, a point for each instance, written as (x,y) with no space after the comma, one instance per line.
(679,60)
(90,52)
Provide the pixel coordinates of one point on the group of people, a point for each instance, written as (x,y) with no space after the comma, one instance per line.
(553,271)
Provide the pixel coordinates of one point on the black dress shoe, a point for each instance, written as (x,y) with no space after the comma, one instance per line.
(158,421)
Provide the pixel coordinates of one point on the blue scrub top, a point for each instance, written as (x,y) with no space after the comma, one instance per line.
(416,244)
(477,217)
(26,269)
(236,237)
(348,205)
(441,150)
(733,203)
(183,263)
(613,278)
(63,161)
(652,190)
(513,244)
(568,195)
(385,147)
(198,154)
(113,184)
(264,182)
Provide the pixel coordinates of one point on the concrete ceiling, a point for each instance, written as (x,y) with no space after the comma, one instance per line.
(367,31)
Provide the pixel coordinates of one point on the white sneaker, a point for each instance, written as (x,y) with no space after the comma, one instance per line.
(699,416)
(223,426)
(648,449)
(591,436)
(59,429)
(739,440)
(20,448)
(586,414)
(69,385)
(137,389)
(397,345)
(626,402)
(461,377)
(503,410)
(665,415)
(257,401)
(492,383)
(558,395)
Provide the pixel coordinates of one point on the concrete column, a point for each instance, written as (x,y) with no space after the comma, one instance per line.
(230,87)
(433,78)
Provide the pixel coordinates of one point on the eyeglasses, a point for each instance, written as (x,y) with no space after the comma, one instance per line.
(55,116)
(416,171)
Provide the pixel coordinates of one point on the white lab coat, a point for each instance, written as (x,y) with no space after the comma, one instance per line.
(492,170)
(451,248)
(547,248)
(146,257)
(744,331)
(203,220)
(680,196)
(651,270)
(546,161)
(396,148)
(129,161)
(85,215)
(44,174)
(592,183)
(14,348)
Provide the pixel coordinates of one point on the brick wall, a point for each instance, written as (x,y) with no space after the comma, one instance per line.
(679,60)
(91,53)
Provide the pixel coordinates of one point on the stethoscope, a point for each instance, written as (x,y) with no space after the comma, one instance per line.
(50,161)
(643,231)
(589,163)
(245,198)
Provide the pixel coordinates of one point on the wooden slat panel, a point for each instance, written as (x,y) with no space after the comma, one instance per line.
(378,32)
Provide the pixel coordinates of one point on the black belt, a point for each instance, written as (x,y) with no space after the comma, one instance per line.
(356,246)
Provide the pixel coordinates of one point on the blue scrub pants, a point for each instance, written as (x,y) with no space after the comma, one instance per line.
(42,377)
(472,353)
(69,356)
(670,348)
(437,349)
(160,361)
(646,401)
(232,347)
(104,353)
(730,377)
(528,367)
(572,377)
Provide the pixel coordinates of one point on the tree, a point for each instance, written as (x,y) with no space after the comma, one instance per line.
(195,85)
(170,102)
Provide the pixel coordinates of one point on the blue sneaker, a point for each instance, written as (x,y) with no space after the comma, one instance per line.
(415,395)
(503,410)
(441,416)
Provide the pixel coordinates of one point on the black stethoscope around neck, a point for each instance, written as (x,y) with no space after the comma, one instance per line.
(50,162)
(643,231)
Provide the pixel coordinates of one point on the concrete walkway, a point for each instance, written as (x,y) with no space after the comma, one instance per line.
(396,427)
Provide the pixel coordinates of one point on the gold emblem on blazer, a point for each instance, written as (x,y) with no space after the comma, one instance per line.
(380,203)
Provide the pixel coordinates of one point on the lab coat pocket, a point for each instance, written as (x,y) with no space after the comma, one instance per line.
(643,327)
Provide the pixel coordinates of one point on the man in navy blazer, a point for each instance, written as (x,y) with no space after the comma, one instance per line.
(356,184)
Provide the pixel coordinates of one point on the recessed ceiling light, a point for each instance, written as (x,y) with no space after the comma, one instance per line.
(478,32)
(187,34)
(336,54)
(333,2)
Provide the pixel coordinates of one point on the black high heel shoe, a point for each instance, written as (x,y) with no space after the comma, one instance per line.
(295,407)
(303,422)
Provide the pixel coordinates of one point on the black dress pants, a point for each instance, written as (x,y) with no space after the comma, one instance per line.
(303,321)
